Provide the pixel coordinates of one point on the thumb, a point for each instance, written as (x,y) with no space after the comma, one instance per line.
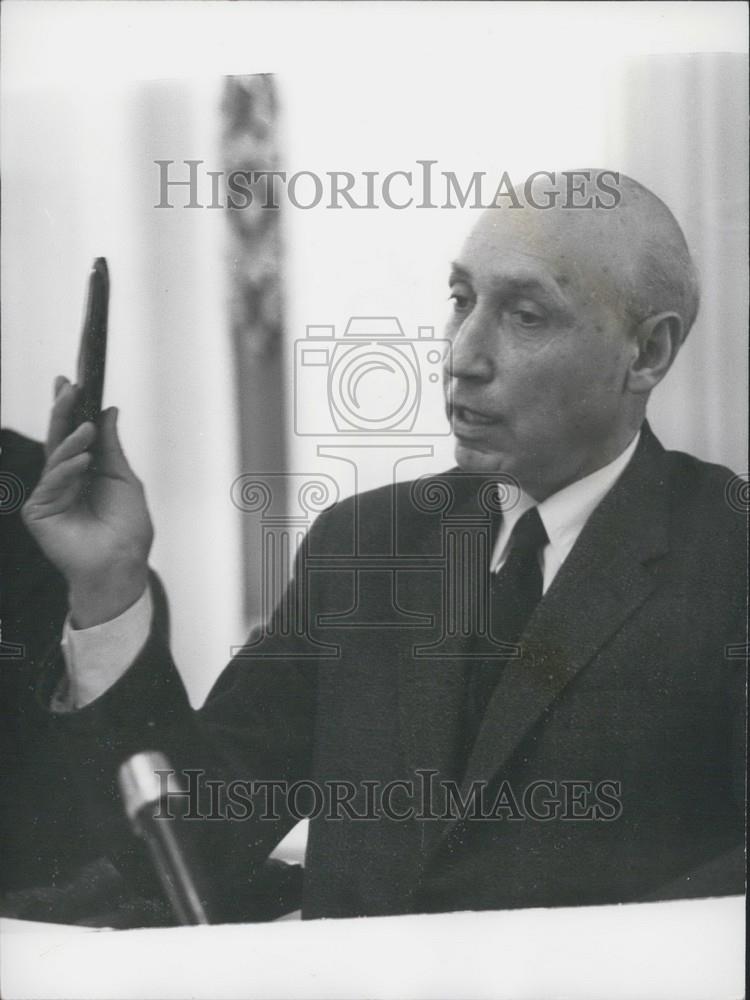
(110,457)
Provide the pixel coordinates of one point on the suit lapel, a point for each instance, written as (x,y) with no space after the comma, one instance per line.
(432,672)
(602,582)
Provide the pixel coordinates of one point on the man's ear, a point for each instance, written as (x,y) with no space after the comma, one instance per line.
(657,341)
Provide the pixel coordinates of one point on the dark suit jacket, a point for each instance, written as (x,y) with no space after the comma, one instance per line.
(629,674)
(45,836)
(43,839)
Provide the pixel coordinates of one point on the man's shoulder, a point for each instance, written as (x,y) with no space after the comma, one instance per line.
(375,512)
(707,510)
(423,494)
(704,488)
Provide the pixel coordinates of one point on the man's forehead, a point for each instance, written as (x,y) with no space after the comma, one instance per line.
(527,243)
(511,272)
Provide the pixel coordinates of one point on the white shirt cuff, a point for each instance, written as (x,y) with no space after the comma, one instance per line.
(97,657)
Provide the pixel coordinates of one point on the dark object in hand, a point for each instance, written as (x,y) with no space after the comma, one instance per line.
(93,349)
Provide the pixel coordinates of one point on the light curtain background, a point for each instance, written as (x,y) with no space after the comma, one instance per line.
(93,95)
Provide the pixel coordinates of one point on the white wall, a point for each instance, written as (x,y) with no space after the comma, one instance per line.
(79,182)
(681,129)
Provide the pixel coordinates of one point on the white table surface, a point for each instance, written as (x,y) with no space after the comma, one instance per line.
(675,950)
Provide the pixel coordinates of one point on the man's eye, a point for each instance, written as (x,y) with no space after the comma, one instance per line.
(527,318)
(461,302)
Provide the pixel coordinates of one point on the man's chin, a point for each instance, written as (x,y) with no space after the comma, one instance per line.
(471,459)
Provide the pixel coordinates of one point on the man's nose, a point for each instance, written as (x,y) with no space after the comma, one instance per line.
(470,355)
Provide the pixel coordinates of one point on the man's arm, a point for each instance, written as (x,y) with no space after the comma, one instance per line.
(89,514)
(255,732)
(97,657)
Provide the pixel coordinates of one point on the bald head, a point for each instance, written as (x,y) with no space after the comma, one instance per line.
(663,277)
(627,246)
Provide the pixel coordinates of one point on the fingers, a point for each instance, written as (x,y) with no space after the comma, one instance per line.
(103,439)
(110,458)
(62,412)
(58,487)
(79,441)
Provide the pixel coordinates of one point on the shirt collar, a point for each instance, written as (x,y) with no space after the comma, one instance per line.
(565,513)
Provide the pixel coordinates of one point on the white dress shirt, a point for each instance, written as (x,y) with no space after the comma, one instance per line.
(96,658)
(563,515)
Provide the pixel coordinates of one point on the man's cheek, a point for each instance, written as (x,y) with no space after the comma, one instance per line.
(568,388)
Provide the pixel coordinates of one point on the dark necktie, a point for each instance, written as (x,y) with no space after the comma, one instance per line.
(514,593)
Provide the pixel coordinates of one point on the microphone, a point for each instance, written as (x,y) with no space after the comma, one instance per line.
(141,789)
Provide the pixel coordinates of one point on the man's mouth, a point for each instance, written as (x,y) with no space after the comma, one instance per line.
(472,418)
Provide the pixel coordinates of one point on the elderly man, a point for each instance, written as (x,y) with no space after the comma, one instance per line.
(580,741)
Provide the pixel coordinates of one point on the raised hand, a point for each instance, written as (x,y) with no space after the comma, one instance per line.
(89,515)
